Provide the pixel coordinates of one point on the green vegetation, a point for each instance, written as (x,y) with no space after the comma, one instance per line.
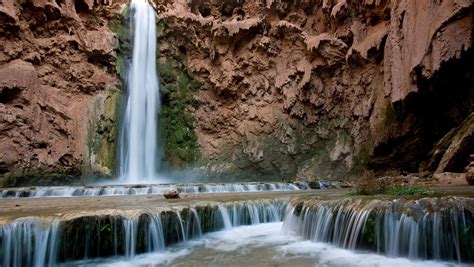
(407,191)
(102,134)
(298,209)
(391,115)
(106,227)
(178,89)
(119,26)
(370,184)
(368,233)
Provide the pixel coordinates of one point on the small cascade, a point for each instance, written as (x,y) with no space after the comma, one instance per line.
(116,190)
(29,242)
(38,242)
(430,228)
(195,226)
(130,226)
(181,226)
(155,237)
(139,155)
(225,217)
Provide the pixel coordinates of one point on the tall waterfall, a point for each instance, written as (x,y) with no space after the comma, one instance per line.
(139,156)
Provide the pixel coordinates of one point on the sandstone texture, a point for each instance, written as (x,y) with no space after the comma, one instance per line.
(314,90)
(318,89)
(56,59)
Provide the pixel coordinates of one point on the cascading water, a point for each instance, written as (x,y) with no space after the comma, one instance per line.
(149,189)
(139,157)
(431,228)
(45,242)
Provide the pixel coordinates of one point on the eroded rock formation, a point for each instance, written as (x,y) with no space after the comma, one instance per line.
(317,89)
(56,59)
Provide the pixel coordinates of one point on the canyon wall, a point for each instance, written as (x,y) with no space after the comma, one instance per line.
(315,89)
(58,90)
(321,89)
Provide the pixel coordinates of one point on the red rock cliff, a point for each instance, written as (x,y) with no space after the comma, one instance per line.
(321,88)
(56,59)
(313,89)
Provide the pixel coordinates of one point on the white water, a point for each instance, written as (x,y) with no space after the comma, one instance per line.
(225,217)
(267,242)
(259,245)
(139,153)
(149,189)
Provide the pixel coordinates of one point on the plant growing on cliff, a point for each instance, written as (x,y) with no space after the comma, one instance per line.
(177,90)
(119,25)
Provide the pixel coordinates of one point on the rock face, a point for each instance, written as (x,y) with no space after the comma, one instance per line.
(56,59)
(314,89)
(320,88)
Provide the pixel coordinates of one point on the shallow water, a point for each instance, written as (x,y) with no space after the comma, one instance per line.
(146,189)
(258,245)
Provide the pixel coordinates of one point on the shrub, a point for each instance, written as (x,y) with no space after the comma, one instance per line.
(369,184)
(408,191)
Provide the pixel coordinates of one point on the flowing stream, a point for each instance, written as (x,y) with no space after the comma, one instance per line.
(424,232)
(139,157)
(146,189)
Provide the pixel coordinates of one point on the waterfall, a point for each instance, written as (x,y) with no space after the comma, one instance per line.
(430,228)
(139,156)
(46,242)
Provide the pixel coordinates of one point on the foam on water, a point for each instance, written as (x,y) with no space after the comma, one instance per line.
(261,245)
(145,189)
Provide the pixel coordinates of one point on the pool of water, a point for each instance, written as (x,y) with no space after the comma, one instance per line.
(258,245)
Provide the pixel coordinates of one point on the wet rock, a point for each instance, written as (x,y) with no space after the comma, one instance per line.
(171,194)
(314,185)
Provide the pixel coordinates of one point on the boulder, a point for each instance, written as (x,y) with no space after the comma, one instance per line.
(171,194)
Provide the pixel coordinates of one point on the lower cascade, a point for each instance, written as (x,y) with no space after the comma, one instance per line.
(429,228)
(35,241)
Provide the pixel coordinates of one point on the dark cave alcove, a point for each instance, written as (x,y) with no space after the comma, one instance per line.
(441,104)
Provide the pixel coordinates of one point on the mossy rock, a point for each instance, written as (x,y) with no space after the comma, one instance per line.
(176,119)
